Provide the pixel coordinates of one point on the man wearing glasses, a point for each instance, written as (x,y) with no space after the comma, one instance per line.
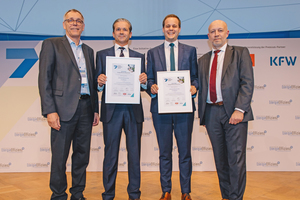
(69,100)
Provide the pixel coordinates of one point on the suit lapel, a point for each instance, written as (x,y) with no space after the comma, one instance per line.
(207,65)
(227,58)
(66,44)
(180,55)
(111,51)
(162,57)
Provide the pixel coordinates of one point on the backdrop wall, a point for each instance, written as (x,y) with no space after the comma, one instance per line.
(273,138)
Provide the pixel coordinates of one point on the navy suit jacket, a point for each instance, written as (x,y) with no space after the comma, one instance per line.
(156,61)
(107,110)
(59,78)
(237,82)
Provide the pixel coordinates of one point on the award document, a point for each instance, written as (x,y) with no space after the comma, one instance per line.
(174,94)
(122,85)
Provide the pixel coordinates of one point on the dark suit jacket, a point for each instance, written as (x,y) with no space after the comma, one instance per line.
(237,82)
(156,61)
(60,80)
(107,110)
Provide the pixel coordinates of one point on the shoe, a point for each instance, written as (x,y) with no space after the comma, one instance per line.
(186,196)
(165,196)
(81,198)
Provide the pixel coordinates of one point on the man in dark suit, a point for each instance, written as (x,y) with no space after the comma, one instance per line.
(69,100)
(116,117)
(225,92)
(158,59)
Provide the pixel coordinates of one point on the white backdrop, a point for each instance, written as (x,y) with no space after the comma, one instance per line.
(273,138)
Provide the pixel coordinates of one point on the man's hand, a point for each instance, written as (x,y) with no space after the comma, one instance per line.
(101,80)
(236,117)
(96,119)
(53,121)
(193,90)
(154,89)
(143,78)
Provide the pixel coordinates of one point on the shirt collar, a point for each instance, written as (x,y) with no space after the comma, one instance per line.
(117,47)
(167,44)
(223,48)
(71,41)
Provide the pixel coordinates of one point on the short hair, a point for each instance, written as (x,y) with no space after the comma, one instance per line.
(73,10)
(171,15)
(122,20)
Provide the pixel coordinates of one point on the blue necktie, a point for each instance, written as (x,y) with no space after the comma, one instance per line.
(172,57)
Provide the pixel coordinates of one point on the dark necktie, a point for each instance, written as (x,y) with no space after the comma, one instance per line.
(212,80)
(121,54)
(172,57)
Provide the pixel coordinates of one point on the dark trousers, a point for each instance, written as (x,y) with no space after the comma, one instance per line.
(123,118)
(78,130)
(182,125)
(229,147)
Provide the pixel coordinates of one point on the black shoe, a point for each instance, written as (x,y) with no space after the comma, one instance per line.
(81,198)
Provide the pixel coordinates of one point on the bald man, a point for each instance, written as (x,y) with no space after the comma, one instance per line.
(225,92)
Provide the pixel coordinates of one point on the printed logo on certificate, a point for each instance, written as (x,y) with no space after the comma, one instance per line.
(174,94)
(122,85)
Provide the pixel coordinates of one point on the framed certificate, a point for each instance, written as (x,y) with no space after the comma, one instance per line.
(122,85)
(174,94)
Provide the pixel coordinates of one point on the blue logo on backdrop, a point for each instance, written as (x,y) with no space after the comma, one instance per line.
(260,87)
(38,165)
(45,149)
(13,150)
(146,134)
(277,61)
(5,165)
(291,87)
(30,57)
(281,102)
(281,148)
(250,148)
(268,164)
(122,164)
(291,133)
(257,133)
(197,164)
(150,164)
(26,134)
(267,118)
(97,149)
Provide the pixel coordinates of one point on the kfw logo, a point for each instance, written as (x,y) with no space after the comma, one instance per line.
(277,61)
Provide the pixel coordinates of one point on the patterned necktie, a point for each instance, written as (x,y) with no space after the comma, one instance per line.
(121,54)
(212,80)
(172,57)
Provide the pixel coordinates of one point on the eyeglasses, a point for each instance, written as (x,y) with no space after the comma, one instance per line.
(72,21)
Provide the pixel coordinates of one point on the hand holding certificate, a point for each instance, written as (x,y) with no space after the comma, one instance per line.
(123,85)
(174,94)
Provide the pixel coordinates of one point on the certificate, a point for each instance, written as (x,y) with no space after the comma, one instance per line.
(122,85)
(174,94)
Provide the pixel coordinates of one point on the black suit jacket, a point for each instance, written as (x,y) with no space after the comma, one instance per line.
(107,110)
(237,82)
(59,78)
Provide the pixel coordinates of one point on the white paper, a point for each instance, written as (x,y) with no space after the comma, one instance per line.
(122,85)
(174,94)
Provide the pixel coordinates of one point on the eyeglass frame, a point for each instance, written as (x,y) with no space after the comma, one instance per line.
(71,20)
